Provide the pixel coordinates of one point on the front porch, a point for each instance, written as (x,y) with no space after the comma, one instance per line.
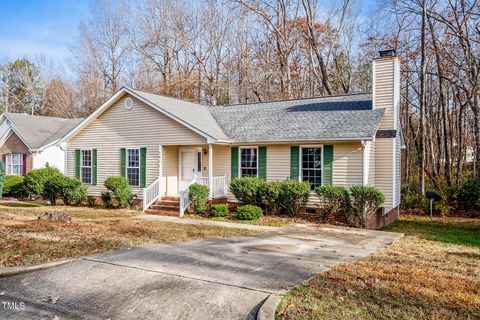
(180,166)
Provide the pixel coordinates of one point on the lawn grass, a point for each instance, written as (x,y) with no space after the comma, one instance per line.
(431,273)
(266,220)
(25,240)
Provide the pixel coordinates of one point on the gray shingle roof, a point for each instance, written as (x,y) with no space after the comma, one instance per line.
(194,114)
(39,131)
(326,118)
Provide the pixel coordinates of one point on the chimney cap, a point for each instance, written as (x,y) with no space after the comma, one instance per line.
(387,53)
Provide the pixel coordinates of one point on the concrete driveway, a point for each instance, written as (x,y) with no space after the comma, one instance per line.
(207,279)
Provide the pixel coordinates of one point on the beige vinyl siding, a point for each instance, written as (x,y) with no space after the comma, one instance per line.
(169,170)
(384,169)
(347,164)
(383,72)
(398,177)
(278,162)
(371,169)
(142,126)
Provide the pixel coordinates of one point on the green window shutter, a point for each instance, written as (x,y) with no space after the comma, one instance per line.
(327,165)
(294,162)
(143,167)
(94,167)
(123,156)
(262,163)
(234,163)
(77,163)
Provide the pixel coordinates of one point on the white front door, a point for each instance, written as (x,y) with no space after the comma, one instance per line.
(189,162)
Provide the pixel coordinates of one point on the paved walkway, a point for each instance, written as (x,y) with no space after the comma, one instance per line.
(206,279)
(151,217)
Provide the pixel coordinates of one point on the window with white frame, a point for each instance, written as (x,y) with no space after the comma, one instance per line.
(86,166)
(312,166)
(15,164)
(133,167)
(248,162)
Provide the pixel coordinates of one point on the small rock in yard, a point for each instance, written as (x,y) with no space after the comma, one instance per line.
(54,216)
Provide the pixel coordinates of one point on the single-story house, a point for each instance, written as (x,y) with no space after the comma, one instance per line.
(29,142)
(162,145)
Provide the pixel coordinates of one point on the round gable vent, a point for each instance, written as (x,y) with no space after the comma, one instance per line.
(128,103)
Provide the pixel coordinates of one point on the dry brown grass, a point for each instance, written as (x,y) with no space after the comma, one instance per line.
(24,240)
(432,273)
(266,220)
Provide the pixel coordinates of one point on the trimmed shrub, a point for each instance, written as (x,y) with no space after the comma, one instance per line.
(293,196)
(120,190)
(219,210)
(366,200)
(14,186)
(77,194)
(66,188)
(270,193)
(35,180)
(335,200)
(247,190)
(106,199)
(249,212)
(198,195)
(91,201)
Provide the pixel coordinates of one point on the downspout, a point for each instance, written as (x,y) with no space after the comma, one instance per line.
(364,163)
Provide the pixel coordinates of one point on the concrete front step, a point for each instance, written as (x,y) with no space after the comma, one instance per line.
(162,212)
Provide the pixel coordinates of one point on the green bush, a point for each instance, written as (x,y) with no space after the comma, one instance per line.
(270,193)
(366,200)
(247,190)
(198,195)
(335,200)
(77,193)
(293,196)
(249,212)
(2,176)
(120,190)
(35,180)
(106,199)
(91,201)
(68,189)
(14,186)
(219,210)
(467,196)
(412,200)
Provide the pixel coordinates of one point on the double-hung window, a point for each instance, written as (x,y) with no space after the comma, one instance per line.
(248,162)
(15,164)
(133,167)
(312,166)
(86,166)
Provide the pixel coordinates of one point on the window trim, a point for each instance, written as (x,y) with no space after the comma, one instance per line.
(82,166)
(7,164)
(306,146)
(139,165)
(240,159)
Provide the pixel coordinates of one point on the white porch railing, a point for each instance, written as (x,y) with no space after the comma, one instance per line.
(219,185)
(184,200)
(219,189)
(151,193)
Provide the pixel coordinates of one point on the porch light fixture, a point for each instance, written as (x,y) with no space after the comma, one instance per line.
(204,151)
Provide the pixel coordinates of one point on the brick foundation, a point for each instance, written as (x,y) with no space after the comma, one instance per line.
(379,220)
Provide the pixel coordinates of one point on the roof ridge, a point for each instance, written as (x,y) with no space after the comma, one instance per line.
(166,96)
(292,99)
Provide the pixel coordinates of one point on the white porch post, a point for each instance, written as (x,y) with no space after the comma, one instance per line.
(160,170)
(210,171)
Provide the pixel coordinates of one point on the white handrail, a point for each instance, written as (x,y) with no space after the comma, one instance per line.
(151,193)
(184,200)
(219,185)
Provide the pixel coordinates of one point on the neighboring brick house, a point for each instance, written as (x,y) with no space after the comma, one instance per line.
(28,142)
